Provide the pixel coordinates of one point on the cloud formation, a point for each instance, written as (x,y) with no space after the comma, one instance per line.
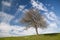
(6,3)
(38,5)
(5,17)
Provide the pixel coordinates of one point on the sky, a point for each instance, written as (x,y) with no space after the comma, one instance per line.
(11,11)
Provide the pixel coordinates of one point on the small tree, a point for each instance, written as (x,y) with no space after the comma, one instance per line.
(33,18)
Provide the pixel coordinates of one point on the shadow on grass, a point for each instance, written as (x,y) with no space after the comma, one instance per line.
(52,34)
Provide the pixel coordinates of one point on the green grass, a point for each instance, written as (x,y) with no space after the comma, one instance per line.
(35,37)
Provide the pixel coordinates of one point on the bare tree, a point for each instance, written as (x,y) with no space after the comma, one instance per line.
(33,18)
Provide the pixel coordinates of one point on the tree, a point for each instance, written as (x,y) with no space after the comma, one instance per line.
(33,18)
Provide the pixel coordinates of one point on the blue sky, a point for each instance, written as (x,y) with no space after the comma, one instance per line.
(54,3)
(13,10)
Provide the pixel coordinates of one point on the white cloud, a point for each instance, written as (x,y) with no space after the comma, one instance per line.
(52,29)
(21,7)
(53,26)
(6,3)
(48,4)
(5,17)
(51,15)
(38,5)
(8,30)
(5,27)
(25,10)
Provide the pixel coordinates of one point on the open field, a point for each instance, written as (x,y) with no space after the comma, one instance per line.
(35,37)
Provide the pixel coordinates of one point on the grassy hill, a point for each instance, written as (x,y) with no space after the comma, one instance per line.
(35,37)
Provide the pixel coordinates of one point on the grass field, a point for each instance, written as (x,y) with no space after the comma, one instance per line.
(35,37)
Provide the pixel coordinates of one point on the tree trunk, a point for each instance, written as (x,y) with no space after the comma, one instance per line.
(36,30)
